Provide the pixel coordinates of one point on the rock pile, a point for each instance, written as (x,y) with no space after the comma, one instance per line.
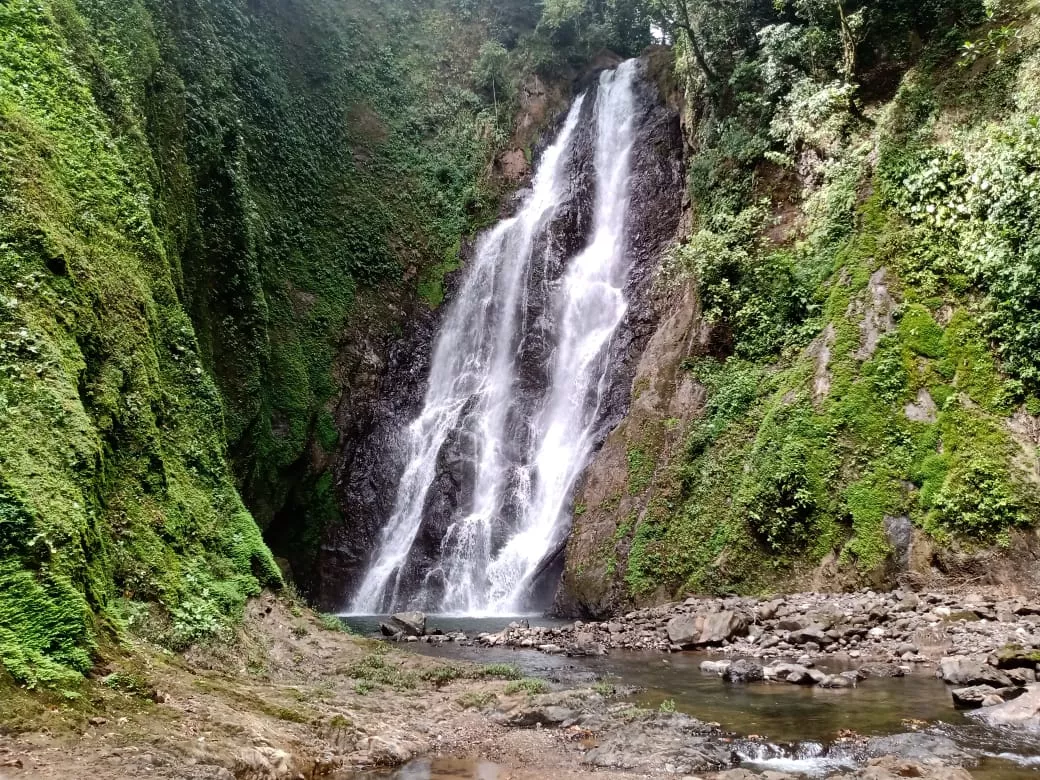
(901,627)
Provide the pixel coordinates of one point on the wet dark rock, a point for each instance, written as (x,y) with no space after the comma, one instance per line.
(1017,657)
(531,715)
(743,671)
(796,674)
(793,623)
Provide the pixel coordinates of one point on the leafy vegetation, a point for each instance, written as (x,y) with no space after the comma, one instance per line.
(867,276)
(528,685)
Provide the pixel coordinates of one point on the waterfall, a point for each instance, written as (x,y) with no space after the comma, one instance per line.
(515,455)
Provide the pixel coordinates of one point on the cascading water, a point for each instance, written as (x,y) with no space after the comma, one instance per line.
(522,457)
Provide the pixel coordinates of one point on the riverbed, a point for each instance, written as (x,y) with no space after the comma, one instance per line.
(798,724)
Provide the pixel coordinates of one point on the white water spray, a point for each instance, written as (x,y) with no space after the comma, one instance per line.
(485,565)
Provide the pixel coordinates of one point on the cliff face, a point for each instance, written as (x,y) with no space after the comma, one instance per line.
(213,217)
(370,470)
(833,396)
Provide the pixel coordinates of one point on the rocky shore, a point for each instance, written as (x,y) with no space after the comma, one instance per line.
(985,647)
(294,696)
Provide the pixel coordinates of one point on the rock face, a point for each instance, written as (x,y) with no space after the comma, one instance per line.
(374,457)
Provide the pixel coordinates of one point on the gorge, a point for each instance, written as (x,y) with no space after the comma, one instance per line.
(640,313)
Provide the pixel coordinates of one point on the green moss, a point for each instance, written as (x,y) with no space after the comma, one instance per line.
(777,473)
(114,479)
(920,332)
(640,470)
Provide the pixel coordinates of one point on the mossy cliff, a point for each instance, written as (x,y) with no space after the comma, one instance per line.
(844,385)
(198,203)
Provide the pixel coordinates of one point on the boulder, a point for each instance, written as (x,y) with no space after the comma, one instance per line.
(809,634)
(722,625)
(1020,676)
(796,674)
(969,671)
(768,610)
(1022,713)
(837,681)
(409,623)
(684,630)
(793,623)
(972,697)
(1017,657)
(711,629)
(742,671)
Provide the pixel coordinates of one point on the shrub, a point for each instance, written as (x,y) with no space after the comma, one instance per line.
(528,685)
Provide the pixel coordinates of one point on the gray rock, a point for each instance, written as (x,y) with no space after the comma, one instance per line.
(972,697)
(715,667)
(680,743)
(527,716)
(837,681)
(922,747)
(409,623)
(795,674)
(1022,713)
(793,623)
(968,671)
(809,634)
(1021,676)
(685,630)
(768,610)
(711,629)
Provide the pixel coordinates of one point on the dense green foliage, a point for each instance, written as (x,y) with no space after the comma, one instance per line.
(867,263)
(194,198)
(203,203)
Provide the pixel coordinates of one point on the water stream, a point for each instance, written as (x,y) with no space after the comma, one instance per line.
(514,456)
(798,723)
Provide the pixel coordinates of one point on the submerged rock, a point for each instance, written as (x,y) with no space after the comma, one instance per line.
(672,743)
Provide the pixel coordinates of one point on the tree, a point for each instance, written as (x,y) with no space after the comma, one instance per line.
(489,71)
(675,15)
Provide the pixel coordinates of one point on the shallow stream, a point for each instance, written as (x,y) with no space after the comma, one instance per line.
(790,715)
